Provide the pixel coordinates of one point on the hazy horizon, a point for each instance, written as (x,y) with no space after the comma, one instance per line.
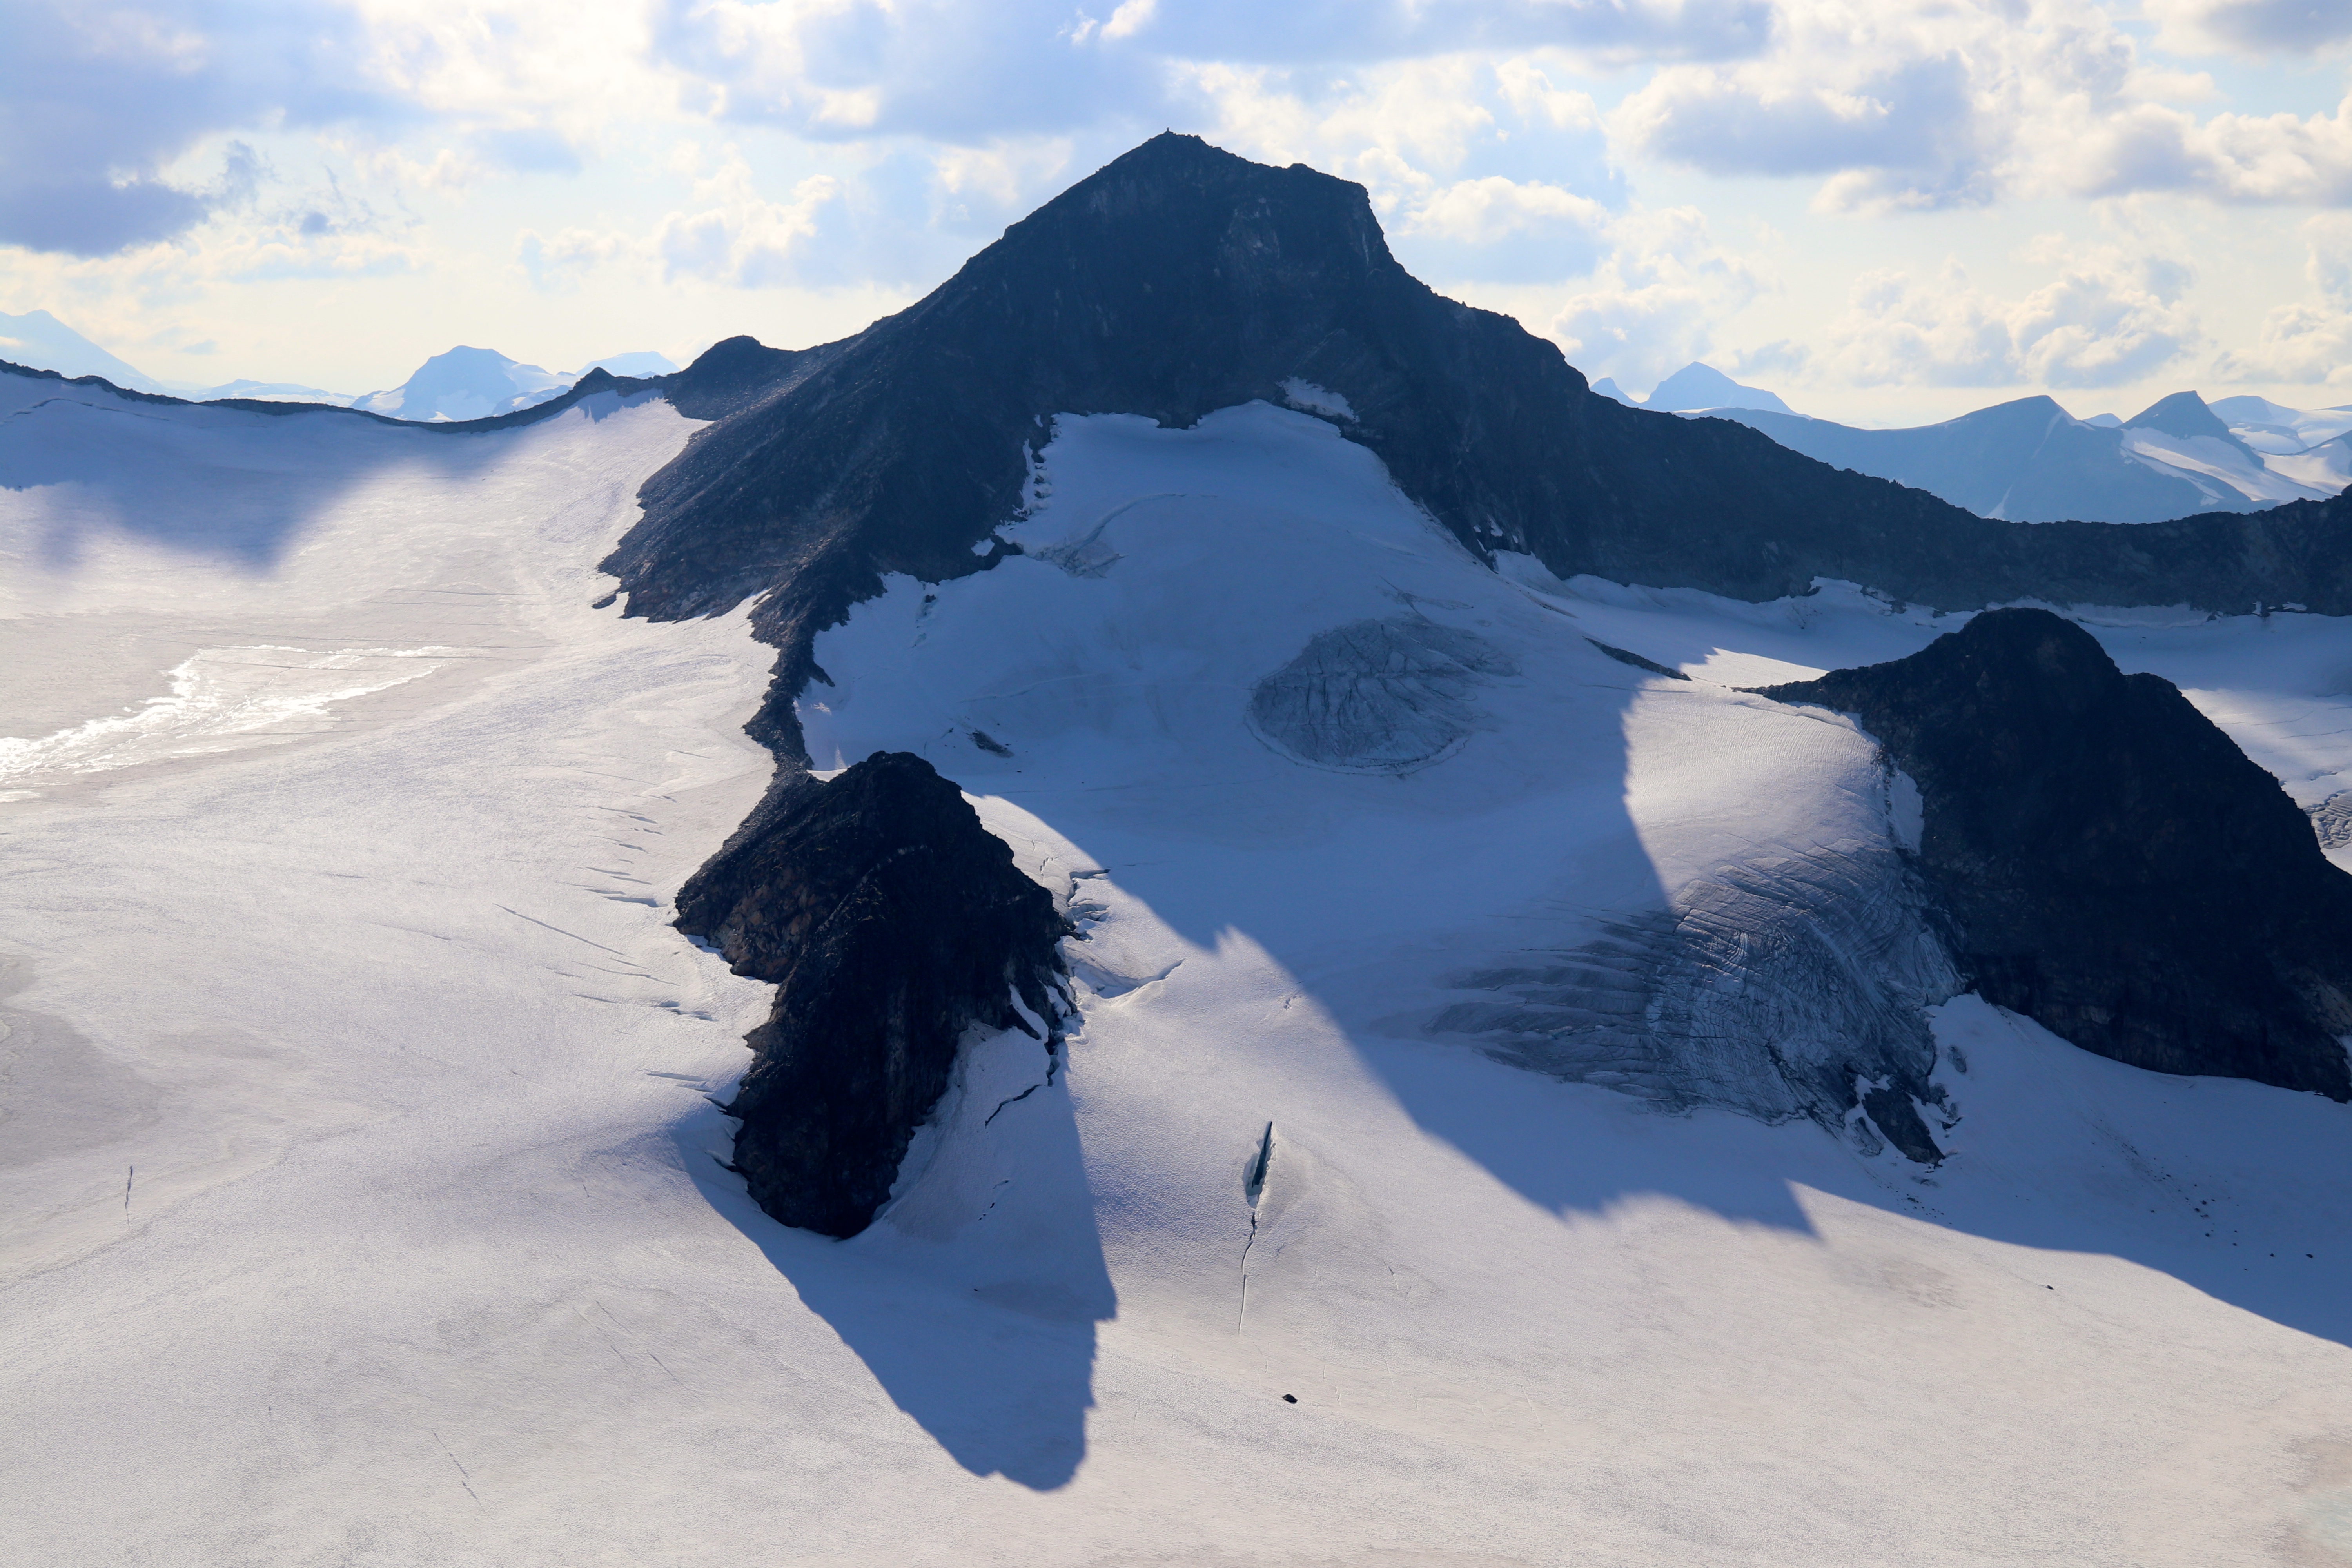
(1888,216)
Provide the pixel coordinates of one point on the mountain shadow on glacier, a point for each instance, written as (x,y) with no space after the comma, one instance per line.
(2116,868)
(897,931)
(1709,1006)
(2053,1160)
(2053,1155)
(123,460)
(1000,1377)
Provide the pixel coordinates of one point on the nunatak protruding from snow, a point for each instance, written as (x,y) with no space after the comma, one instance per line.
(2116,868)
(890,921)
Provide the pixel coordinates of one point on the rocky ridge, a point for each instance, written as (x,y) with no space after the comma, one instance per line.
(891,923)
(1179,279)
(2114,865)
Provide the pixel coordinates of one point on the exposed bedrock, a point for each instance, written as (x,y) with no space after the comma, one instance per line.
(1180,279)
(2114,867)
(891,922)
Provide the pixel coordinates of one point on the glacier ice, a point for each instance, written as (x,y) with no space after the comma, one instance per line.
(1383,696)
(1767,988)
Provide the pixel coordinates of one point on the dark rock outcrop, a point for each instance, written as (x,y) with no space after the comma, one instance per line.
(890,921)
(733,373)
(2114,867)
(1180,279)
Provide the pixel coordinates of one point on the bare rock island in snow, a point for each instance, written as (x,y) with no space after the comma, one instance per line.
(1180,281)
(890,921)
(2115,866)
(1516,1096)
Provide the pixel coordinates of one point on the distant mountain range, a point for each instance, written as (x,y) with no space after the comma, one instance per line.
(40,341)
(1696,386)
(463,384)
(2028,460)
(2031,461)
(478,384)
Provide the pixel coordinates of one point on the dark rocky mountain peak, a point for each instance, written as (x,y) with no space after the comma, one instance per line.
(1179,279)
(890,921)
(2114,865)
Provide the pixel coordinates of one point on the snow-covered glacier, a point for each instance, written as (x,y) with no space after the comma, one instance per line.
(1461,1151)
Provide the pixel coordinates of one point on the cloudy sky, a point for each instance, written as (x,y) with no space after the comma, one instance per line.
(1886,210)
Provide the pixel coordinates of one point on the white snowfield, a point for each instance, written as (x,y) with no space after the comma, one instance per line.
(2229,473)
(2269,426)
(360,1193)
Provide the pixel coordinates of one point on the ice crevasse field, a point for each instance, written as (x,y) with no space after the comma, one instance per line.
(363,1194)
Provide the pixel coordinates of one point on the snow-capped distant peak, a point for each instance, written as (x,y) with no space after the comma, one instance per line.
(38,340)
(2183,414)
(466,384)
(270,392)
(480,383)
(2276,431)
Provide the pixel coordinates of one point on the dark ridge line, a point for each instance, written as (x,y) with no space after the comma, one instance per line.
(1179,279)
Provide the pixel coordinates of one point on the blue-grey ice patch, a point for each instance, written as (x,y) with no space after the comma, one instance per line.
(2331,819)
(1767,988)
(1378,696)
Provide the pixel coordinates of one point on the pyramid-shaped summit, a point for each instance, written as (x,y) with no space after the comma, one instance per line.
(1179,279)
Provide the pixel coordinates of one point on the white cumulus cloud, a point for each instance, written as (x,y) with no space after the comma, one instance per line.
(2105,319)
(1651,305)
(2307,341)
(730,233)
(2251,27)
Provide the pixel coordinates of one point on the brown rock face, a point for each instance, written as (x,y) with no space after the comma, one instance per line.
(890,921)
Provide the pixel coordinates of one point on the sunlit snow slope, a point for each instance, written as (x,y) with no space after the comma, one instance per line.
(427,1256)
